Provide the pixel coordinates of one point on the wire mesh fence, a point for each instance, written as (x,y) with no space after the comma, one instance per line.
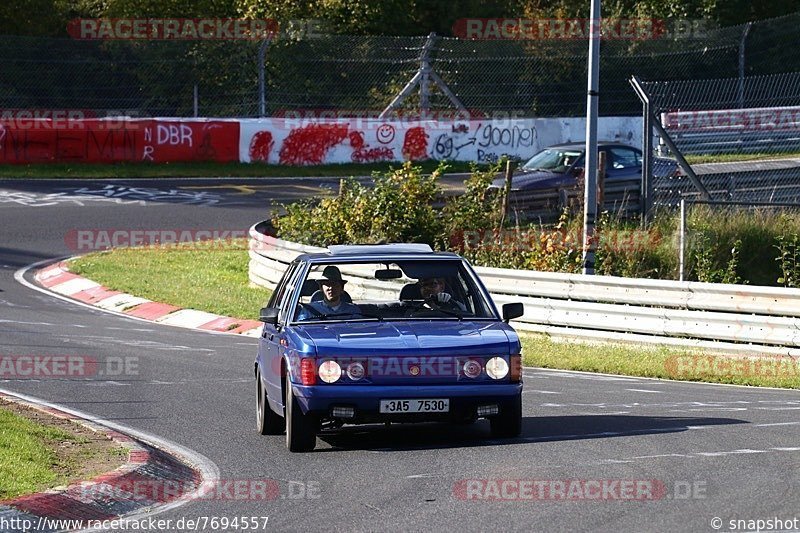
(362,75)
(750,125)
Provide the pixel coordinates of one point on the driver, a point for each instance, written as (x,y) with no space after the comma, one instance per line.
(433,289)
(332,286)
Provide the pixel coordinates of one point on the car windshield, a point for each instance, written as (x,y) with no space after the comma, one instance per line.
(554,160)
(390,291)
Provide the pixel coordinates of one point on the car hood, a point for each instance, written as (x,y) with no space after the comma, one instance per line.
(536,179)
(423,337)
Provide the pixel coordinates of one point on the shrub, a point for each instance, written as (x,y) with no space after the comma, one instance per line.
(398,208)
(724,245)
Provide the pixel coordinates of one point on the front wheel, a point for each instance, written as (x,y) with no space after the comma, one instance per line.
(301,429)
(267,422)
(508,424)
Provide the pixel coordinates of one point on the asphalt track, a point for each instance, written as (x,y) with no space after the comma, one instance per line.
(718,451)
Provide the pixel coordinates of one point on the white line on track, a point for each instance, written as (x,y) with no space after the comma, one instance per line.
(208,469)
(645,390)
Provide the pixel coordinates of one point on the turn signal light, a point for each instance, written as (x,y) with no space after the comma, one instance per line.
(308,374)
(516,368)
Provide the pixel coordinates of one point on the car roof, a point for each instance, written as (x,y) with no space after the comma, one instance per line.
(377,253)
(582,145)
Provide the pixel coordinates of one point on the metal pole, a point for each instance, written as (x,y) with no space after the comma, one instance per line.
(590,189)
(262,82)
(682,240)
(646,194)
(741,63)
(196,101)
(682,161)
(425,69)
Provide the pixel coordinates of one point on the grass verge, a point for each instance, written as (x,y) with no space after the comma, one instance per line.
(39,452)
(205,276)
(184,170)
(730,158)
(661,362)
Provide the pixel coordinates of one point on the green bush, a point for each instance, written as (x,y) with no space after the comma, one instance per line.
(723,245)
(398,208)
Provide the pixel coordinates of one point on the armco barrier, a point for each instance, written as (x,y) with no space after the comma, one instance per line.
(732,318)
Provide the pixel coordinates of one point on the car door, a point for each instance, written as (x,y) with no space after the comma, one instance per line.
(623,164)
(270,348)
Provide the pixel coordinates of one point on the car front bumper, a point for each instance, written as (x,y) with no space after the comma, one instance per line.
(365,400)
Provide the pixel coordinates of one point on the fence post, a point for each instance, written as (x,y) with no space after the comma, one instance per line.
(647,144)
(262,82)
(742,41)
(196,98)
(601,179)
(506,192)
(682,240)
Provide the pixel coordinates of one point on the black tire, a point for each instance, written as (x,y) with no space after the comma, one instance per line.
(301,429)
(508,424)
(267,422)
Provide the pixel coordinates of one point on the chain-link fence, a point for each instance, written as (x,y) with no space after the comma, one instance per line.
(741,136)
(363,75)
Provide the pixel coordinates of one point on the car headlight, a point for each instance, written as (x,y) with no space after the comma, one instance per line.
(330,371)
(497,368)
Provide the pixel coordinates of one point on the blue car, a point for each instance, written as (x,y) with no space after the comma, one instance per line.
(385,333)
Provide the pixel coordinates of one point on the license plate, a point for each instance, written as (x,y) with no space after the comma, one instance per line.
(415,406)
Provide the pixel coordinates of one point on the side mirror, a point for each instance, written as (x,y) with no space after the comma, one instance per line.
(269,315)
(511,311)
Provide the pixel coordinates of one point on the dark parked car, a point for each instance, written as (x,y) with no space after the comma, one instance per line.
(559,166)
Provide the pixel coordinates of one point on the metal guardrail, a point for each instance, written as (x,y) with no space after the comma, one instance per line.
(732,318)
(725,131)
(619,196)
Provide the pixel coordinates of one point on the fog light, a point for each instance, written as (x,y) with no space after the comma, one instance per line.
(488,410)
(330,371)
(355,371)
(497,368)
(343,412)
(472,368)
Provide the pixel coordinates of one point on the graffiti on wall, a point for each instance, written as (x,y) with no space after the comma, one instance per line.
(295,141)
(105,141)
(292,142)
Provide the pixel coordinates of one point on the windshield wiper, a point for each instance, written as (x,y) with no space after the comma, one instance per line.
(334,315)
(434,307)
